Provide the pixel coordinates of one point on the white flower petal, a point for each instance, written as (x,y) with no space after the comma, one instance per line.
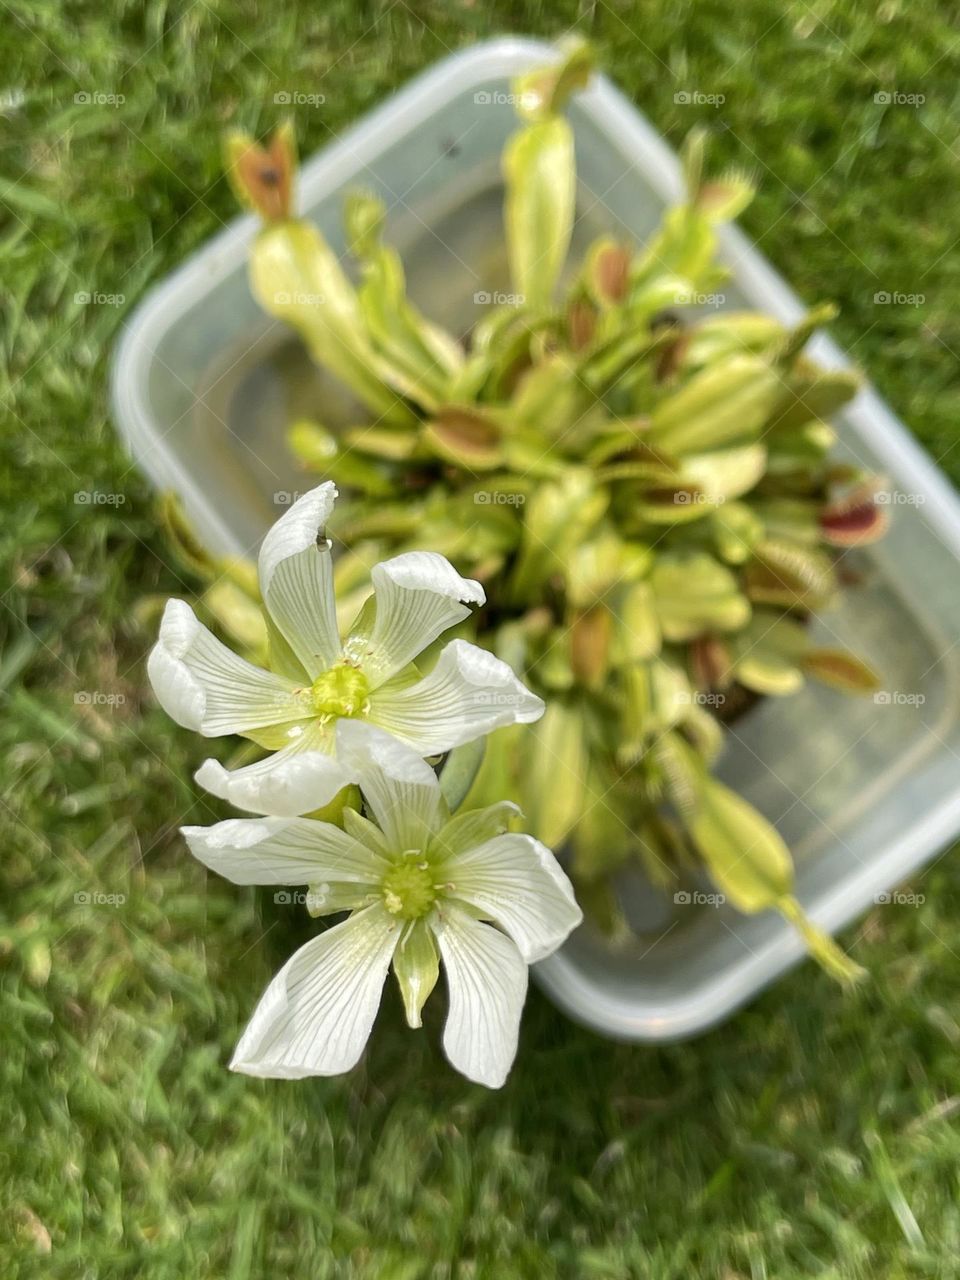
(283,851)
(519,883)
(315,1016)
(487,983)
(203,685)
(298,779)
(419,595)
(468,693)
(401,790)
(296,580)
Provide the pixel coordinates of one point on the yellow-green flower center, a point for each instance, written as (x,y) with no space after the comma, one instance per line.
(408,888)
(342,691)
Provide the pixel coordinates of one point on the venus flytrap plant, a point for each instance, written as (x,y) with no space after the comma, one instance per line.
(674,518)
(422,888)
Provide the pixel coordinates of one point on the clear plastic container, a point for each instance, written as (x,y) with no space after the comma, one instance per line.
(865,791)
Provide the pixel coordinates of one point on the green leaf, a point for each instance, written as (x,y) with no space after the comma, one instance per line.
(240,616)
(601,563)
(596,895)
(725,403)
(606,362)
(190,552)
(841,670)
(682,770)
(604,839)
(424,360)
(792,520)
(813,394)
(181,538)
(638,634)
(736,530)
(693,156)
(732,333)
(801,333)
(393,444)
(705,482)
(320,450)
(821,946)
(704,732)
(548,398)
(459,770)
(695,593)
(788,575)
(684,247)
(555,757)
(746,856)
(295,276)
(726,474)
(654,697)
(538,209)
(558,517)
(750,864)
(768,654)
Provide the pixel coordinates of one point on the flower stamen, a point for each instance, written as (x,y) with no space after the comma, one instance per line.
(342,690)
(408,888)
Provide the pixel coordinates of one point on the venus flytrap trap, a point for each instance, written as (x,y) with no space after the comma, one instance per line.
(675,519)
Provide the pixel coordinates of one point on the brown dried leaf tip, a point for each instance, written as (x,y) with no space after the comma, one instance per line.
(262,177)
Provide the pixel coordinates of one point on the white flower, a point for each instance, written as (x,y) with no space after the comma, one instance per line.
(317,680)
(421,888)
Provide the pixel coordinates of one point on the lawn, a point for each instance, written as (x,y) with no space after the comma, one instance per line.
(816,1133)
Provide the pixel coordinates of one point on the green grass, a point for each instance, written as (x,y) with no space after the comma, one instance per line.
(813,1135)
